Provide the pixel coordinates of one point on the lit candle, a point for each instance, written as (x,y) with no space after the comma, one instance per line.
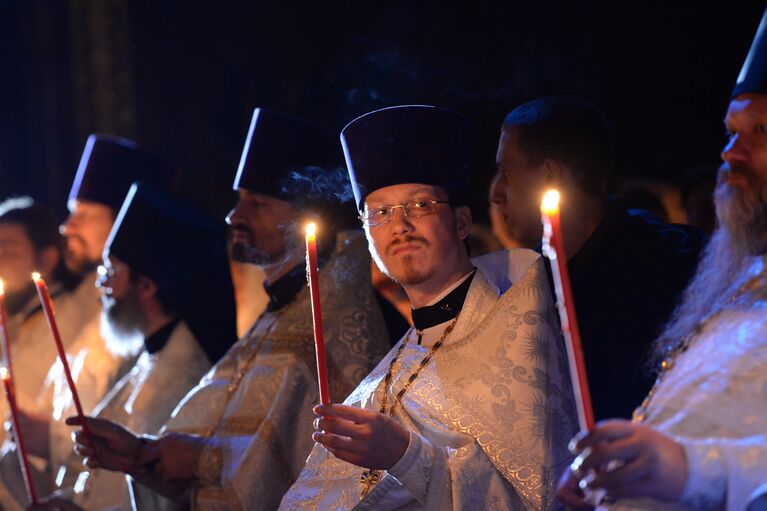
(21,450)
(4,336)
(45,300)
(554,249)
(314,293)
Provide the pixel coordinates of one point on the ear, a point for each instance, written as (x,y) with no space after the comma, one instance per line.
(145,288)
(554,172)
(47,259)
(463,221)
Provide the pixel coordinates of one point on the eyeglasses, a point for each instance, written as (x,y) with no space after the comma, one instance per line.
(104,272)
(414,208)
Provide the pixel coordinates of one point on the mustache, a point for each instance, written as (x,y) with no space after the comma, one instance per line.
(242,229)
(408,238)
(734,168)
(75,237)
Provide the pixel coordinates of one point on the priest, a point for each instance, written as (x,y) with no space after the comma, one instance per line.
(472,408)
(166,277)
(239,439)
(698,441)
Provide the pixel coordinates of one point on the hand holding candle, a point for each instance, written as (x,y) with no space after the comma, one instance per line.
(314,292)
(554,249)
(45,300)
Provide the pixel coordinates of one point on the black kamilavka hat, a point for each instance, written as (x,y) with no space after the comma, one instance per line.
(278,145)
(110,164)
(184,252)
(408,144)
(753,74)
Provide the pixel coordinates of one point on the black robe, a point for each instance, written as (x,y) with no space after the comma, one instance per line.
(626,280)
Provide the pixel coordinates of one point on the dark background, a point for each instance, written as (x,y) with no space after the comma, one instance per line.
(182,78)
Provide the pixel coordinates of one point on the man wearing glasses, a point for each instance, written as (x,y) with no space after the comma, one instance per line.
(470,410)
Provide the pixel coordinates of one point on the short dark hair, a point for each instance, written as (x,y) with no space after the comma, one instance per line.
(41,228)
(168,301)
(568,129)
(39,224)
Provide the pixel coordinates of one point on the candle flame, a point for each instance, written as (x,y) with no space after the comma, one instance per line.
(311,229)
(35,276)
(2,287)
(4,373)
(550,202)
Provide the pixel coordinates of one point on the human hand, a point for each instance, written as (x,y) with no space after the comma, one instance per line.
(107,445)
(651,464)
(362,437)
(570,494)
(174,456)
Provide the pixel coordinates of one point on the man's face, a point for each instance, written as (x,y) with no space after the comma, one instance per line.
(519,199)
(260,228)
(119,297)
(414,250)
(497,211)
(86,230)
(18,258)
(741,192)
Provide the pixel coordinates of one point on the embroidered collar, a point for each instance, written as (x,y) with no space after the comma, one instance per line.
(445,309)
(159,339)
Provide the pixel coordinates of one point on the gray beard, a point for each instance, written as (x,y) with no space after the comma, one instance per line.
(121,332)
(740,236)
(124,316)
(743,214)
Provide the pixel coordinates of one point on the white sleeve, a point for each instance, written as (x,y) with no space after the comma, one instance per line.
(722,473)
(444,478)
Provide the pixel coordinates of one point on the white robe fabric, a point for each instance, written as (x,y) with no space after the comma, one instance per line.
(35,362)
(33,350)
(714,402)
(255,405)
(489,417)
(142,402)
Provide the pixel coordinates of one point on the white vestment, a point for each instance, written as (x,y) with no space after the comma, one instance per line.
(255,405)
(77,316)
(714,402)
(142,402)
(489,417)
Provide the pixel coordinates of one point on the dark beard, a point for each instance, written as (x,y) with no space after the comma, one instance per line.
(410,274)
(79,265)
(244,253)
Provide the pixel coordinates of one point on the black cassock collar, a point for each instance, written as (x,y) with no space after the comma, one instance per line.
(445,309)
(159,339)
(282,291)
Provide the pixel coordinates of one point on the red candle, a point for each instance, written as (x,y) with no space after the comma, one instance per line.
(314,292)
(21,450)
(554,249)
(4,336)
(45,300)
